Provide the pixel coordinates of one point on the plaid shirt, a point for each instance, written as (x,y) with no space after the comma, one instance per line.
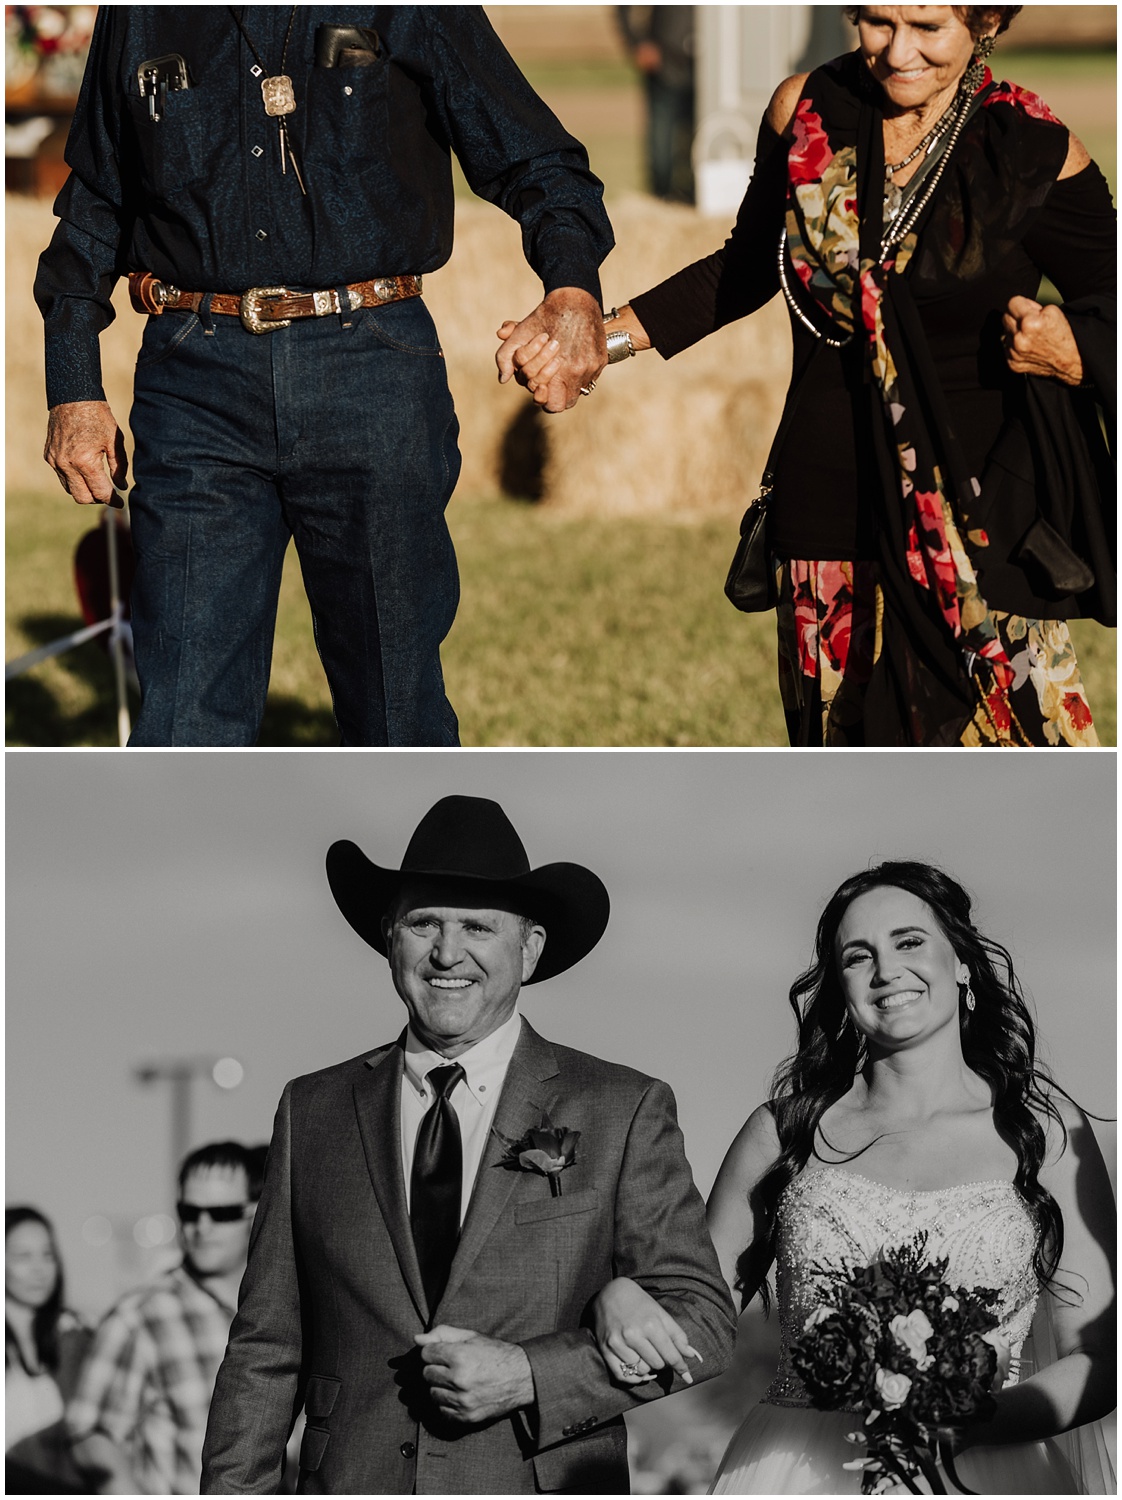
(149,1377)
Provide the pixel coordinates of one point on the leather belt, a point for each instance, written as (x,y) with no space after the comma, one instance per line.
(265,308)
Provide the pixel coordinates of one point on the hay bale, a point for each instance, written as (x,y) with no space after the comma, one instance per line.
(681,438)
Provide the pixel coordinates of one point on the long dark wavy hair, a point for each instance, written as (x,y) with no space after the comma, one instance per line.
(998,1043)
(44,1323)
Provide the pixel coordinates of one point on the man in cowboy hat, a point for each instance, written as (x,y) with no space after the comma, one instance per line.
(438,1214)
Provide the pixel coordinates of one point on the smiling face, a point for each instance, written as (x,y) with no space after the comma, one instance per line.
(217,1249)
(30,1267)
(457,964)
(899,973)
(917,53)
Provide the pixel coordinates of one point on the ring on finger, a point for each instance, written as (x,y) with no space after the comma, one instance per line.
(586,390)
(633,1369)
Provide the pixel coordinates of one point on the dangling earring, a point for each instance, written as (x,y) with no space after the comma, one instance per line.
(970,1001)
(975,74)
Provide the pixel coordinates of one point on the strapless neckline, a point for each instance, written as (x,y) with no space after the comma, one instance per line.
(957,1187)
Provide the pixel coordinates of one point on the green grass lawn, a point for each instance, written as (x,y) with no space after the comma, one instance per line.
(571,632)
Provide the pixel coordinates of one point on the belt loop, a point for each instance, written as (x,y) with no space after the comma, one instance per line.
(345,314)
(206,317)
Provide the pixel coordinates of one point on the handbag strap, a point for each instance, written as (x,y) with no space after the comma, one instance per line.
(789,408)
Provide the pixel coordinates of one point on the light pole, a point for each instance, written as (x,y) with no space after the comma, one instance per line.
(180,1072)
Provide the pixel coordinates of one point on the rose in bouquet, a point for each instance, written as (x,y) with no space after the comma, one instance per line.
(912,1354)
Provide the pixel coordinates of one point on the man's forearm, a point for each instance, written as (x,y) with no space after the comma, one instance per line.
(574,1391)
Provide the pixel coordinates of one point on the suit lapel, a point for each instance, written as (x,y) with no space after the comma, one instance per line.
(377,1096)
(525,1097)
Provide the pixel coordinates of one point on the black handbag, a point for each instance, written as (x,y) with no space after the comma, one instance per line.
(751,585)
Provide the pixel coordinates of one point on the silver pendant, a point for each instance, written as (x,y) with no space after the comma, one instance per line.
(277,94)
(893,197)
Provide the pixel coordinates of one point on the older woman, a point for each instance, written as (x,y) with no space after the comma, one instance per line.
(912,1103)
(936,517)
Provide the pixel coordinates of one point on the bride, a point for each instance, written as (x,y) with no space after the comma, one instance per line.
(913,1102)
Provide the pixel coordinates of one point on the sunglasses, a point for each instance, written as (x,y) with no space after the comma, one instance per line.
(221,1213)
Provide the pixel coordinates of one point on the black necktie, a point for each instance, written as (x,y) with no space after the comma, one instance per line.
(434,1198)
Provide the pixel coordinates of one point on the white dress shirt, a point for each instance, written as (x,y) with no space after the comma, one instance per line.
(474,1098)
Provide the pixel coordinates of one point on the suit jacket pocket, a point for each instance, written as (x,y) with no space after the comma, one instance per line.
(320,1396)
(556,1208)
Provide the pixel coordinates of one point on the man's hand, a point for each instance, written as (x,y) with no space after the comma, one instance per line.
(570,324)
(82,439)
(1039,341)
(472,1378)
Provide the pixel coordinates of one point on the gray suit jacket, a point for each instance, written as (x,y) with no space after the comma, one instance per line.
(332,1296)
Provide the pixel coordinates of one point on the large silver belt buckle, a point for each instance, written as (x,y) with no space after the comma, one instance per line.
(250,309)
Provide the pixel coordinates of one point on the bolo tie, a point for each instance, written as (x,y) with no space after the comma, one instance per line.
(277,94)
(435,1185)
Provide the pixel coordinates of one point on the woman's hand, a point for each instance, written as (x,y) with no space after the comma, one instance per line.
(536,362)
(636,1336)
(1039,341)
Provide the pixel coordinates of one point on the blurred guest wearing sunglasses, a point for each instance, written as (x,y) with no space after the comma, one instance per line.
(140,1411)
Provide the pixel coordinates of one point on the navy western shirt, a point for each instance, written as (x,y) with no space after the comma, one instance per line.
(199,199)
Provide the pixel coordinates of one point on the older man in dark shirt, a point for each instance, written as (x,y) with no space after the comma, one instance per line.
(275,180)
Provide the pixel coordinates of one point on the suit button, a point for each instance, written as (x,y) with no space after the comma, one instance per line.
(408,1450)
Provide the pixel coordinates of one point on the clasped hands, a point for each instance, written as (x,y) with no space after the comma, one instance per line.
(556,351)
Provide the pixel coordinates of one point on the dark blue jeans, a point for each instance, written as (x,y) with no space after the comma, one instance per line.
(338,432)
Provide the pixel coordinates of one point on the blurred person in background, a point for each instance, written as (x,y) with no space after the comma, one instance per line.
(139,1414)
(939,495)
(274,185)
(914,1103)
(660,39)
(44,1345)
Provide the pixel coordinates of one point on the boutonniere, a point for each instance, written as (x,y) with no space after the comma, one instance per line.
(548,1150)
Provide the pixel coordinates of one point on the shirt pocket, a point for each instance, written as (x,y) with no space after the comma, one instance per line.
(345,129)
(171,151)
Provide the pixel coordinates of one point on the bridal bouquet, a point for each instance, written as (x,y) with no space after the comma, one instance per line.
(895,1342)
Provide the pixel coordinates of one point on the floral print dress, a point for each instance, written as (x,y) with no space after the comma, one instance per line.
(903,648)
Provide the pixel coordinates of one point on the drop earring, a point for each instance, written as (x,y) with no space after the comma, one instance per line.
(970,1001)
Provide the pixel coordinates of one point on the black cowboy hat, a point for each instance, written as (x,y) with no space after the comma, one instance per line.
(471,841)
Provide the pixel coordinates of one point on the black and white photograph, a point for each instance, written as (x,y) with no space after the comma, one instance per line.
(868,1016)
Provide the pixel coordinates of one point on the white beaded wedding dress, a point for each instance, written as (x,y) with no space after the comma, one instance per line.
(832,1216)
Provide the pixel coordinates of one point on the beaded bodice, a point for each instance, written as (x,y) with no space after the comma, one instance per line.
(830,1216)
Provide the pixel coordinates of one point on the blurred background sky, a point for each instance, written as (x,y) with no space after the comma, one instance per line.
(172,905)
